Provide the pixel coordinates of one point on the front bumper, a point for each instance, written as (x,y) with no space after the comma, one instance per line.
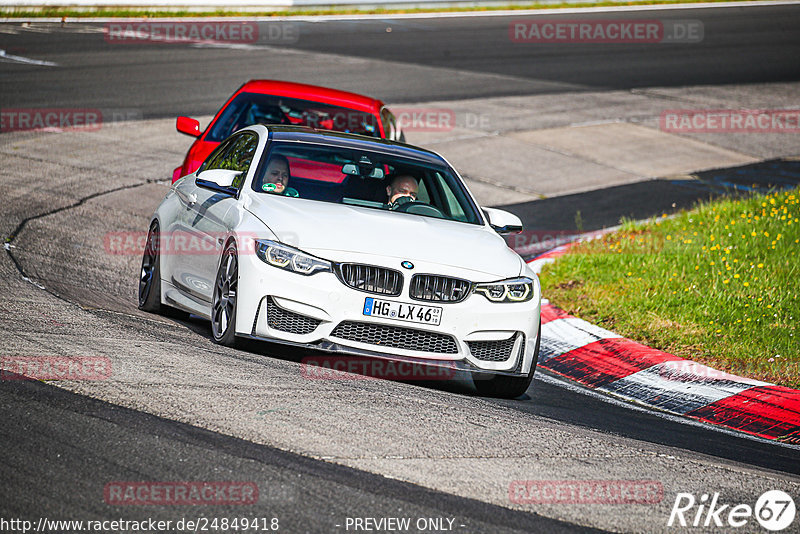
(319,312)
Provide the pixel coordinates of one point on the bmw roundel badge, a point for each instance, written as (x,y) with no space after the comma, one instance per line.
(407,264)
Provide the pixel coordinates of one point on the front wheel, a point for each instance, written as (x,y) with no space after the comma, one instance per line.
(223,307)
(150,274)
(509,387)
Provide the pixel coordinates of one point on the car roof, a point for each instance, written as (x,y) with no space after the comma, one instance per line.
(353,141)
(312,92)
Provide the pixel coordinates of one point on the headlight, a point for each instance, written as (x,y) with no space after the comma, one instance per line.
(290,259)
(513,290)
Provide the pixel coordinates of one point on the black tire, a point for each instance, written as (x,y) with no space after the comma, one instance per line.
(150,273)
(508,387)
(223,305)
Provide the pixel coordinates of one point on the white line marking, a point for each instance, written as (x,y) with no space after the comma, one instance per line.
(37,284)
(222,44)
(19,59)
(654,387)
(689,371)
(563,335)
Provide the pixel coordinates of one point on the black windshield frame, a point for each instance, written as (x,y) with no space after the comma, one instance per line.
(425,169)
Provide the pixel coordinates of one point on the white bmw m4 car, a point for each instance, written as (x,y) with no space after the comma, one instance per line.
(346,244)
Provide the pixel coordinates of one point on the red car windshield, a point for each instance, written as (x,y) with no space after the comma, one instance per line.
(253,108)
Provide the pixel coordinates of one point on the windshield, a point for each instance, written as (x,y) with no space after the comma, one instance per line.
(253,108)
(364,178)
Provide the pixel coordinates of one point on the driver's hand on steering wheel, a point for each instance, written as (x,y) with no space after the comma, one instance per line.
(399,200)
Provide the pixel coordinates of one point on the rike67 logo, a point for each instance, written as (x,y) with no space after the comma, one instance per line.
(774,510)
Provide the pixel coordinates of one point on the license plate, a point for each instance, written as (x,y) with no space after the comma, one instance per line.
(402,311)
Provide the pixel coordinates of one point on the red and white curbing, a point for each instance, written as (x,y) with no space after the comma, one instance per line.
(607,362)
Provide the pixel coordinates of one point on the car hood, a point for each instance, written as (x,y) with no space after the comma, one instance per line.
(324,228)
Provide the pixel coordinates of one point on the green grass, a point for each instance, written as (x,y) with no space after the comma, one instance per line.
(719,284)
(132,12)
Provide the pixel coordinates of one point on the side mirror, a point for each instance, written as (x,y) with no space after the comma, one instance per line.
(188,126)
(502,221)
(220,180)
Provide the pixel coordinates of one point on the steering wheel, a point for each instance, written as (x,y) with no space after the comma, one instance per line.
(417,207)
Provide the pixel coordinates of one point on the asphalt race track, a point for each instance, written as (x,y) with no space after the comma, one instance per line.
(179,408)
(428,59)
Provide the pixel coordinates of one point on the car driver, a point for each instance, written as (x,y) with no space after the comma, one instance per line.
(403,189)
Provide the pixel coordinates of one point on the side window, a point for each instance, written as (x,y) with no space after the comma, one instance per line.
(452,207)
(235,154)
(240,156)
(422,194)
(212,162)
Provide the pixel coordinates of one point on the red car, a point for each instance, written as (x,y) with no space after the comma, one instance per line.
(276,102)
